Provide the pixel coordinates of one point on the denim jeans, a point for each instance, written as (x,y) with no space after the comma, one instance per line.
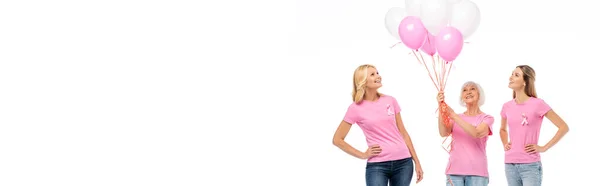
(396,173)
(460,180)
(524,174)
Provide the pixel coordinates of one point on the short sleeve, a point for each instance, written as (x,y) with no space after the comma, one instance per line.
(489,120)
(396,106)
(503,111)
(542,108)
(351,114)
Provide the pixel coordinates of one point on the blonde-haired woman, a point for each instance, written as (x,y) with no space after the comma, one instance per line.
(468,163)
(523,115)
(390,154)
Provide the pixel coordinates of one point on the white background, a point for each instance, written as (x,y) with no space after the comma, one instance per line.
(248,92)
(555,38)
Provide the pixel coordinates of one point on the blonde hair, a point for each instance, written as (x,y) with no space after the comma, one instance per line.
(481,100)
(529,78)
(360,83)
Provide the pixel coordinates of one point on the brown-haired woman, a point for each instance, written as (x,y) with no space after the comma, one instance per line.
(523,116)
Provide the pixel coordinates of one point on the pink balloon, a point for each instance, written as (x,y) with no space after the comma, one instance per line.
(429,45)
(449,43)
(412,32)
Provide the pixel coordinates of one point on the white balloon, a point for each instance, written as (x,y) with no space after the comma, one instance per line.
(413,7)
(393,17)
(465,17)
(435,15)
(454,1)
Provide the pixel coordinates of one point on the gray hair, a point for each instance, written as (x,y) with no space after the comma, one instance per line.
(479,90)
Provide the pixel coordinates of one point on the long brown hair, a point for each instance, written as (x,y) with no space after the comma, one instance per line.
(529,78)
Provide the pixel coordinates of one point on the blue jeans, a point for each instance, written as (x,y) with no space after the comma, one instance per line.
(397,173)
(524,174)
(460,180)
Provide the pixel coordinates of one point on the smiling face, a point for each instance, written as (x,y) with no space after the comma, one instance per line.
(366,79)
(470,94)
(373,78)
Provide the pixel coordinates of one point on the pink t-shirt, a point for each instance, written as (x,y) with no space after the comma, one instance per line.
(378,122)
(524,123)
(468,155)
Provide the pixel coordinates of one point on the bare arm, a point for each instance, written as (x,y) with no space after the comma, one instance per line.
(503,132)
(444,131)
(407,139)
(480,131)
(338,140)
(563,128)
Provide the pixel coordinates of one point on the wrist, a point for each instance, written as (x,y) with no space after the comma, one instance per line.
(545,148)
(363,155)
(416,160)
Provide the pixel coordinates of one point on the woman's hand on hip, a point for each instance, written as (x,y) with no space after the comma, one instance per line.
(373,150)
(507,146)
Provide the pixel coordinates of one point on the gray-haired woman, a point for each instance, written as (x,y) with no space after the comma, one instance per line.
(467,165)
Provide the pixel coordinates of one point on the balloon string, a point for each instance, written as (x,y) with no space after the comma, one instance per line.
(449,149)
(428,72)
(423,59)
(438,60)
(443,74)
(444,114)
(440,85)
(448,75)
(434,64)
(395,44)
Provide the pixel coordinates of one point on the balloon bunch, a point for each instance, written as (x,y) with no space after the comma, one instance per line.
(432,18)
(437,28)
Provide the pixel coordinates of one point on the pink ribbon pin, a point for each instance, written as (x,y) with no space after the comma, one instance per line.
(524,122)
(389,110)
